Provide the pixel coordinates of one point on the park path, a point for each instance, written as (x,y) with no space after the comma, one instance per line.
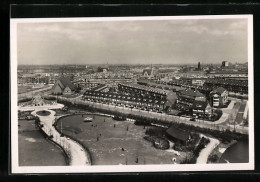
(204,153)
(78,155)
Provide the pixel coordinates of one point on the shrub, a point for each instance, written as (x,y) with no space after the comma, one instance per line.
(161,143)
(213,158)
(155,131)
(189,160)
(203,142)
(24,100)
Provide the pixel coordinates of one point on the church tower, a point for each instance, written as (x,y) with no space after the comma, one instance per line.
(199,68)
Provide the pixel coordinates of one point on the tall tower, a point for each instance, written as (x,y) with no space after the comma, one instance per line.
(199,68)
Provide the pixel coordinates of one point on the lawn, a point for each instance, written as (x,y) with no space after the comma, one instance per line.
(28,88)
(114,142)
(34,149)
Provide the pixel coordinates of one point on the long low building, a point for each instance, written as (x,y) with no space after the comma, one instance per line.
(142,90)
(135,101)
(232,85)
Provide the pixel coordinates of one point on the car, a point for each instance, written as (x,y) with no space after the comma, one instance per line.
(192,119)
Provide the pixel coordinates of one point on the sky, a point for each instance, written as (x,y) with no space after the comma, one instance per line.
(133,42)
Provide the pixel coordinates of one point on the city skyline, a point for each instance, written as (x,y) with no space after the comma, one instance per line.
(133,42)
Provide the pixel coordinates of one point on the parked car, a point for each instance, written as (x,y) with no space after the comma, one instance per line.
(192,119)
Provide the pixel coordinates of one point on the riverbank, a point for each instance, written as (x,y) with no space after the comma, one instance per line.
(219,150)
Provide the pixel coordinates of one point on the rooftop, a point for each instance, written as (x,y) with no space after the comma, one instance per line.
(177,133)
(192,93)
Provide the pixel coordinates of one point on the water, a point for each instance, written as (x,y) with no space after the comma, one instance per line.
(237,153)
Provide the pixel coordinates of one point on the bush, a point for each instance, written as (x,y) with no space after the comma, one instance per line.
(203,142)
(158,142)
(189,160)
(161,143)
(155,131)
(213,158)
(24,100)
(50,98)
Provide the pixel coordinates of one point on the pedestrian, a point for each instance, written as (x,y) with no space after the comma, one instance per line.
(114,125)
(97,138)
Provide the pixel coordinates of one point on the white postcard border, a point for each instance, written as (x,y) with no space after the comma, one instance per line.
(15,168)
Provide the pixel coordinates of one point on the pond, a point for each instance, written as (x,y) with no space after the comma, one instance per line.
(237,153)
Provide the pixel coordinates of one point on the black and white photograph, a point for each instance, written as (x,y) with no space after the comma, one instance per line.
(132,94)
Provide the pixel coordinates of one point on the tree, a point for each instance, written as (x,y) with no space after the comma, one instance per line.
(99,69)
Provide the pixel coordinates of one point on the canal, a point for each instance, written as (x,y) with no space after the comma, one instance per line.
(237,153)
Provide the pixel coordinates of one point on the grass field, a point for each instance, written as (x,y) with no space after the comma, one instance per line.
(105,139)
(28,88)
(34,149)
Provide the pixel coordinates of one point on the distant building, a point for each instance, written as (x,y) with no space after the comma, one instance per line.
(148,73)
(218,97)
(63,86)
(199,68)
(198,81)
(229,74)
(232,85)
(225,64)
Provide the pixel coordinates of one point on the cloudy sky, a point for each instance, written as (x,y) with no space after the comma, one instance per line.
(154,41)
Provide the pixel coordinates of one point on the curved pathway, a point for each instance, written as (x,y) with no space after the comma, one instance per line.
(204,153)
(78,156)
